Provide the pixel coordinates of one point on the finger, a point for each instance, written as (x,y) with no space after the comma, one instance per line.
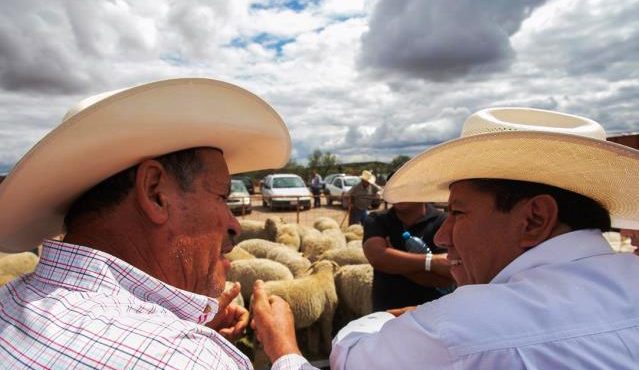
(260,300)
(228,296)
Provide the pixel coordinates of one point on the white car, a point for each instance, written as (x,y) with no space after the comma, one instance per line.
(285,191)
(239,200)
(336,189)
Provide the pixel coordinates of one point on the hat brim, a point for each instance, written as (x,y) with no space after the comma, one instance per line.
(122,130)
(604,171)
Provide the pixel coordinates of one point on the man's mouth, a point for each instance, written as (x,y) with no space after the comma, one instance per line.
(455,262)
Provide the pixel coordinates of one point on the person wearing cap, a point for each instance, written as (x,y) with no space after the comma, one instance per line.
(360,197)
(539,286)
(138,180)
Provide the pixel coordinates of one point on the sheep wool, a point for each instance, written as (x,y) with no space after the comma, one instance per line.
(354,285)
(295,262)
(349,255)
(238,254)
(237,300)
(313,299)
(247,271)
(258,247)
(288,235)
(354,232)
(323,223)
(252,230)
(18,264)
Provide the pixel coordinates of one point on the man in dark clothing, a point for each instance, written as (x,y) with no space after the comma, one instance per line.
(401,278)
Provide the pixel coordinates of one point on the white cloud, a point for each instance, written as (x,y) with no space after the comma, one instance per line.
(364,79)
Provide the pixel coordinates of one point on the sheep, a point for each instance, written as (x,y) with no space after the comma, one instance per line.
(18,264)
(354,243)
(5,278)
(350,255)
(354,286)
(258,229)
(323,223)
(354,232)
(315,246)
(295,262)
(238,254)
(313,300)
(340,240)
(247,271)
(288,234)
(258,247)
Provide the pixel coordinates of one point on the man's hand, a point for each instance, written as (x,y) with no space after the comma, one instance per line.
(273,323)
(231,319)
(400,311)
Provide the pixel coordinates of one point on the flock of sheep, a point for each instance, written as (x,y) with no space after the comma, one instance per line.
(321,271)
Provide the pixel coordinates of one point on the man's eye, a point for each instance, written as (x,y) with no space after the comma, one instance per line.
(455,212)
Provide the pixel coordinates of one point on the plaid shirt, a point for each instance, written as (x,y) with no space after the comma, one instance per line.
(83,308)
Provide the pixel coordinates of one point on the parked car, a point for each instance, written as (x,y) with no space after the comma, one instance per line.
(338,186)
(248,183)
(239,200)
(328,179)
(285,191)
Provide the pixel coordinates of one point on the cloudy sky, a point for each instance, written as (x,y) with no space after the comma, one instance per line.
(364,79)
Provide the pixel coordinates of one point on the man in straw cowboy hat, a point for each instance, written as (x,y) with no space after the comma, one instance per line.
(138,180)
(360,197)
(529,193)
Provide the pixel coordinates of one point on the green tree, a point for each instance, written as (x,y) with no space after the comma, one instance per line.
(397,162)
(322,161)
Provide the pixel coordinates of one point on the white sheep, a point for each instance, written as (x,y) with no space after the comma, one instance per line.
(315,245)
(238,254)
(313,300)
(288,234)
(354,232)
(349,255)
(258,247)
(324,223)
(295,262)
(340,240)
(354,286)
(14,265)
(247,271)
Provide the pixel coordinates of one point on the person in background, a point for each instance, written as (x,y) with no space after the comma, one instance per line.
(316,188)
(360,198)
(139,178)
(529,193)
(401,278)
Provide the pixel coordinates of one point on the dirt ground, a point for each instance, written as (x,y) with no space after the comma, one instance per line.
(304,217)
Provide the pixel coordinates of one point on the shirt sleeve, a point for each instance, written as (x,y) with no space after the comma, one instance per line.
(381,341)
(373,226)
(292,362)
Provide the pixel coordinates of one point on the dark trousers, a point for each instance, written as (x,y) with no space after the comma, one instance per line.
(316,197)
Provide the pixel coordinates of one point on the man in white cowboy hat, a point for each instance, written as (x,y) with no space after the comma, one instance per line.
(361,196)
(529,193)
(138,180)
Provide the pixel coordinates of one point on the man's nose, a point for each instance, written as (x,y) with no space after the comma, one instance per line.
(234,228)
(443,237)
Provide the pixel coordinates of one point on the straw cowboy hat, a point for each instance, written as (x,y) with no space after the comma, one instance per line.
(552,148)
(367,176)
(112,131)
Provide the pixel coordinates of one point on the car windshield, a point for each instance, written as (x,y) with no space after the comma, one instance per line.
(238,187)
(288,182)
(351,181)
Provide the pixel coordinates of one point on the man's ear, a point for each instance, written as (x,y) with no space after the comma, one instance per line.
(151,189)
(541,217)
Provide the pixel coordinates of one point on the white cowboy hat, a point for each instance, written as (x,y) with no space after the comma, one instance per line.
(552,148)
(367,176)
(112,131)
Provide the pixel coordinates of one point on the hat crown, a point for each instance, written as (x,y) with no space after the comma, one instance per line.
(494,120)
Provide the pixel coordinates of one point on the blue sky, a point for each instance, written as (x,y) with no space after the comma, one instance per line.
(364,79)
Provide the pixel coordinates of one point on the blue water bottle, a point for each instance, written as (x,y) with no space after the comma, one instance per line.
(414,244)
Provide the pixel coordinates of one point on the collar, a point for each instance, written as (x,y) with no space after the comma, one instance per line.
(76,267)
(562,248)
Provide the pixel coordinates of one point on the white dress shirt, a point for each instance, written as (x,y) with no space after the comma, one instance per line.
(569,303)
